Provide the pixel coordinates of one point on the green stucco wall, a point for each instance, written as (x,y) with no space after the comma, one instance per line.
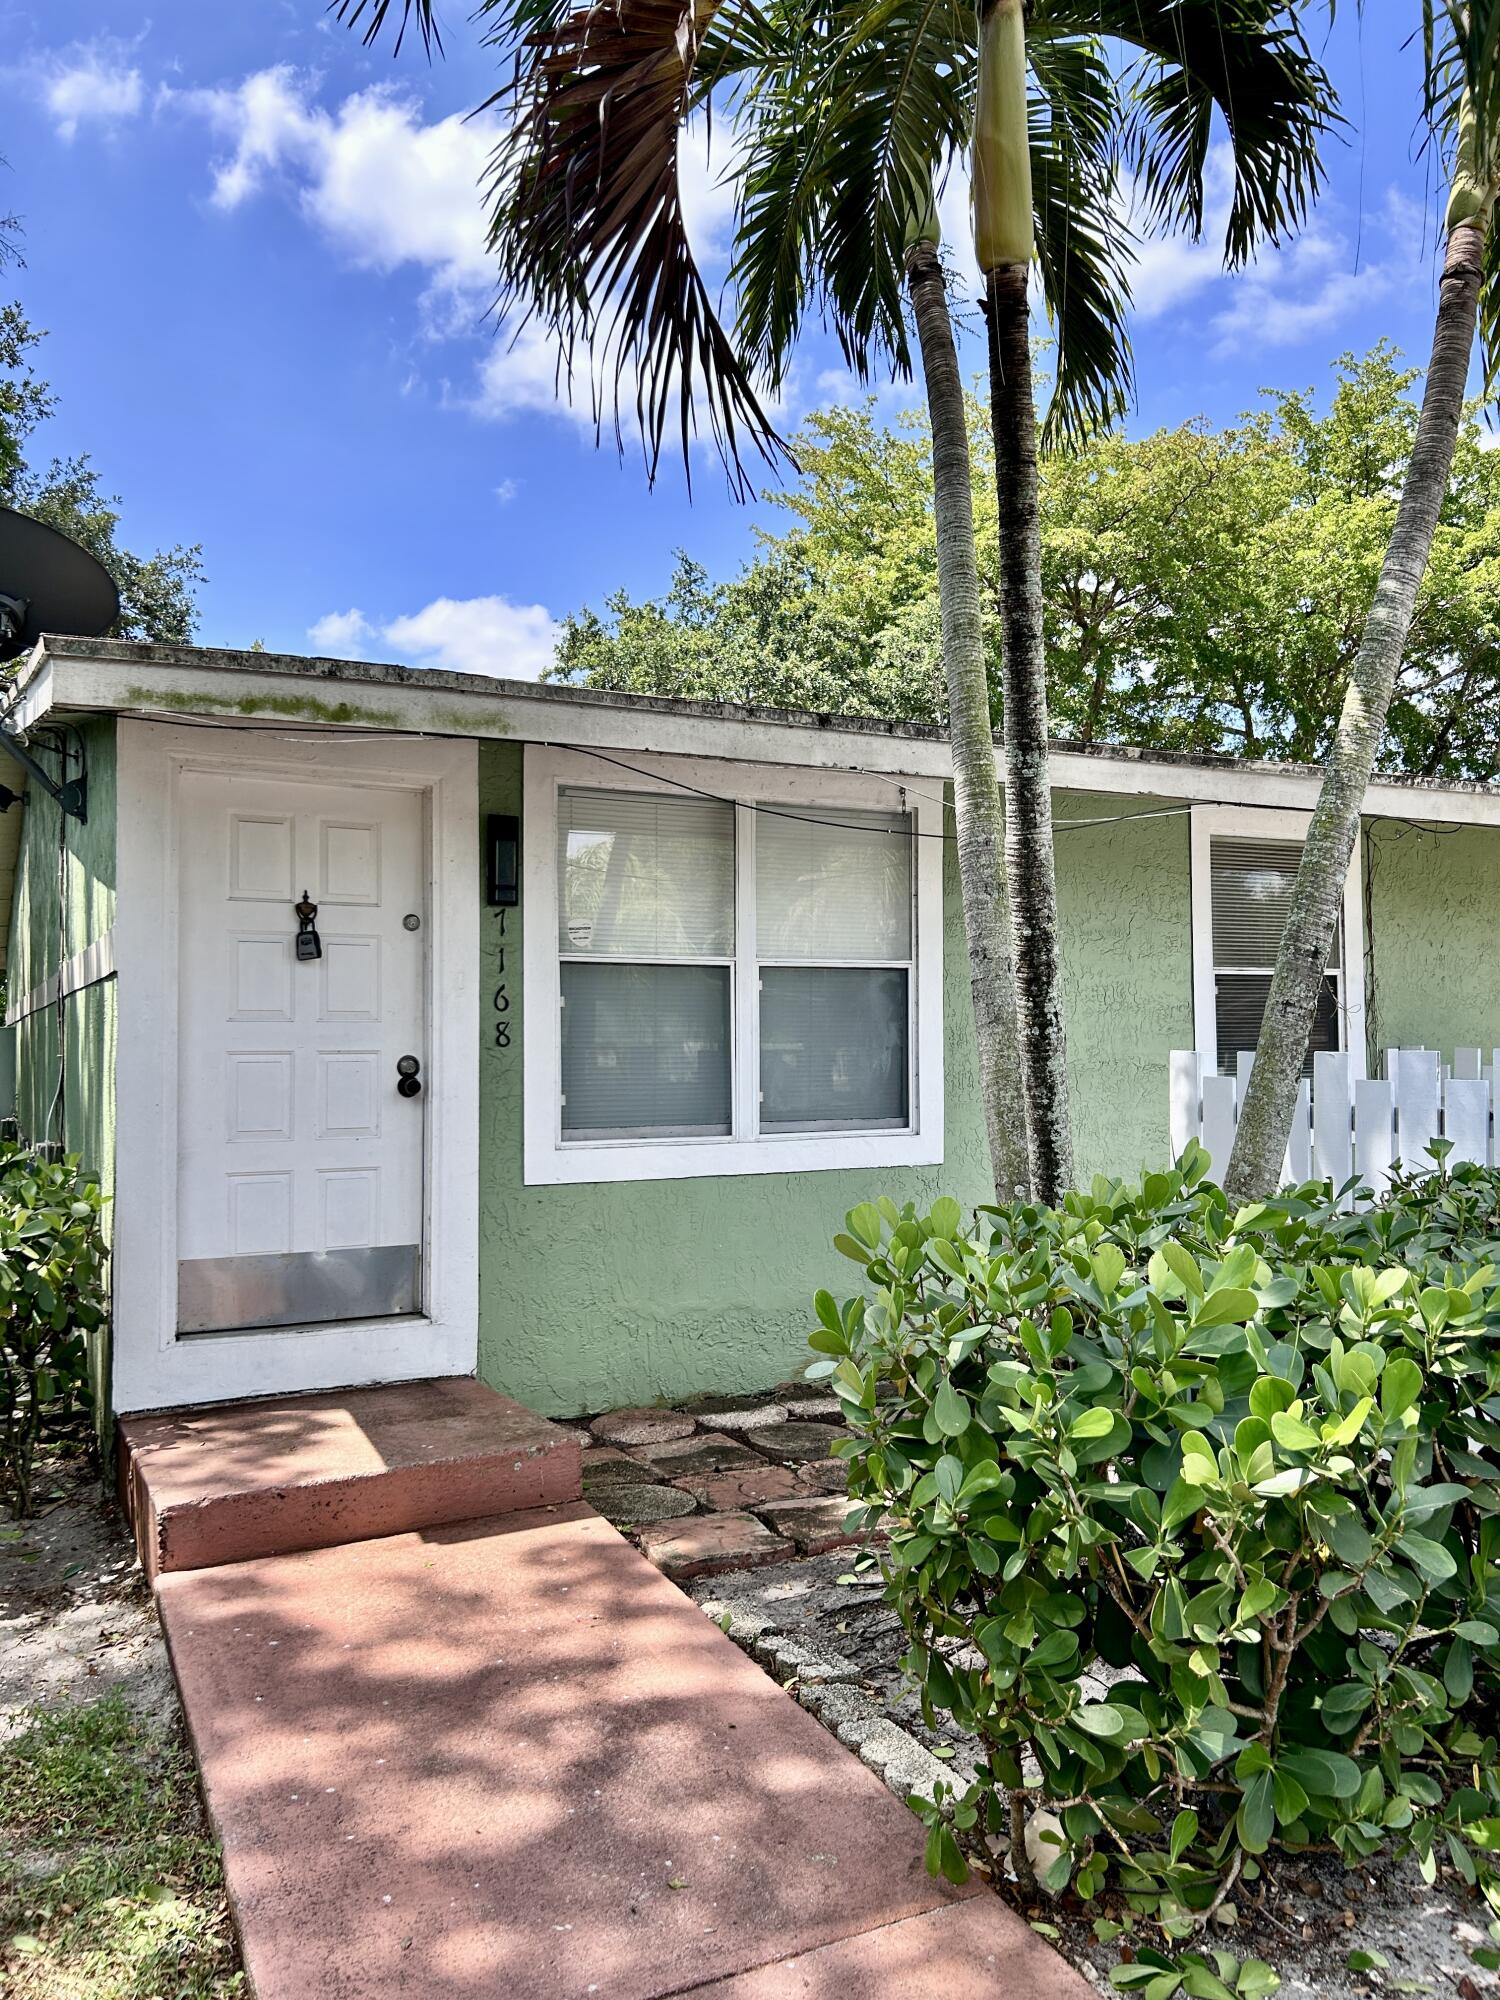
(65,901)
(1433,894)
(627,1292)
(1124,910)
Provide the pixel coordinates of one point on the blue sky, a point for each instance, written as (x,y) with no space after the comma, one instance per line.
(256,248)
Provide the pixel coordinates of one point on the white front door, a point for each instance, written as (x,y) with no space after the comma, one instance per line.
(299,1160)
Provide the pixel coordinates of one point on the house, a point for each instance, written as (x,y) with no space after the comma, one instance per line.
(422,1023)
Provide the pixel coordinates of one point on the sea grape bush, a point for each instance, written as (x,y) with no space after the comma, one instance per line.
(1194,1519)
(52,1295)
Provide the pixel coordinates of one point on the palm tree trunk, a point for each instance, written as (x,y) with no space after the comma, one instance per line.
(978,817)
(1266,1119)
(1029,858)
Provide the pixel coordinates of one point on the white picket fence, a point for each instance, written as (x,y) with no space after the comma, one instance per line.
(1347,1124)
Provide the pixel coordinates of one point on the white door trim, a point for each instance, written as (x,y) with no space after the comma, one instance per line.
(152,1368)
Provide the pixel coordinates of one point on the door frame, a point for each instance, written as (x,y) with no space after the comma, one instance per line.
(152,1367)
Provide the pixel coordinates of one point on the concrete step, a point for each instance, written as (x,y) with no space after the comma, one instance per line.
(236,1481)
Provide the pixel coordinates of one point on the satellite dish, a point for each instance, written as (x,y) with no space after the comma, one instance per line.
(49,584)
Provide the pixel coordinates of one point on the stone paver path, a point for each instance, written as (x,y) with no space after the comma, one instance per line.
(724,1482)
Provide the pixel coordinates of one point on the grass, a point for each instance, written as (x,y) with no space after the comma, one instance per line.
(110,1884)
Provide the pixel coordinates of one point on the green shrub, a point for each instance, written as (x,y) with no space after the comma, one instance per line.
(51,1296)
(1193,1519)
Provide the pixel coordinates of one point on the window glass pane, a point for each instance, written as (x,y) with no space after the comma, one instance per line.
(841,890)
(1252,892)
(1241,1003)
(833,1048)
(645,877)
(645,1050)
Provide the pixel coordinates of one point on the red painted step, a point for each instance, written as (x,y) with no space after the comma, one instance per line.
(239,1480)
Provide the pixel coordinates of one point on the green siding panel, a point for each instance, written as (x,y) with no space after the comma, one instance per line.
(65,1057)
(1434,896)
(629,1292)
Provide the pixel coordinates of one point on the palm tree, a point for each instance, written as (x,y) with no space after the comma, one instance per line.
(1462,102)
(843,113)
(978,816)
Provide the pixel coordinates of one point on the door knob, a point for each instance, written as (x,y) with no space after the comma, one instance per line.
(408,1080)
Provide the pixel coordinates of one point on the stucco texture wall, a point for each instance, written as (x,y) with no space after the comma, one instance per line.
(1433,910)
(65,1057)
(594,1296)
(1124,909)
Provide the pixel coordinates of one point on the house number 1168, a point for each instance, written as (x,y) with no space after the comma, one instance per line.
(502,996)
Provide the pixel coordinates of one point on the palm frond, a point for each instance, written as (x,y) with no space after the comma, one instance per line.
(588,228)
(845,132)
(1461,57)
(1084,250)
(1249,60)
(369,17)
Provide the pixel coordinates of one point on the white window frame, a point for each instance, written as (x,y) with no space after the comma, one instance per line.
(1263,823)
(549,1159)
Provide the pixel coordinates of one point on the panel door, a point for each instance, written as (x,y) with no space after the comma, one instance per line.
(300,1163)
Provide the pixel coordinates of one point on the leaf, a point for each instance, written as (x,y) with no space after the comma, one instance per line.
(1108,1266)
(946,1217)
(1230,1308)
(1400,1386)
(1256,1818)
(1322,1773)
(826,1308)
(1288,1797)
(1184,1833)
(1292,1434)
(1349,1428)
(1184,1268)
(1342,1706)
(1101,1718)
(865,1224)
(1431,1559)
(951,1410)
(1269,1396)
(1094,1423)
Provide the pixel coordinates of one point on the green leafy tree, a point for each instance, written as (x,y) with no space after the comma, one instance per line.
(1204,588)
(156,591)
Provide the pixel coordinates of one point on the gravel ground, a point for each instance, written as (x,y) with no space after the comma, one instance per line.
(838,1646)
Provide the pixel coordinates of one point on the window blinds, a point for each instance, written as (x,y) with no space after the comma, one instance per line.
(643,877)
(1251,882)
(833,885)
(1252,893)
(645,1050)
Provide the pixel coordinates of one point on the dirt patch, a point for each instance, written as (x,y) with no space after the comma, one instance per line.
(823,1631)
(110,1885)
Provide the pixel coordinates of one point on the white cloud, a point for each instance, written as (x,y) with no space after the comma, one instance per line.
(1318,279)
(479,635)
(391,191)
(342,634)
(507,490)
(467,635)
(93,83)
(386,188)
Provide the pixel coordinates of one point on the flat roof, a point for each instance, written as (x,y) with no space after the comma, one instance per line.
(261,689)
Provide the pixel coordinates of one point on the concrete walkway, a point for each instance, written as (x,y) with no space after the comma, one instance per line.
(510,1758)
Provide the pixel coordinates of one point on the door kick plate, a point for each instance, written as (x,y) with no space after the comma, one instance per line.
(298,1288)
